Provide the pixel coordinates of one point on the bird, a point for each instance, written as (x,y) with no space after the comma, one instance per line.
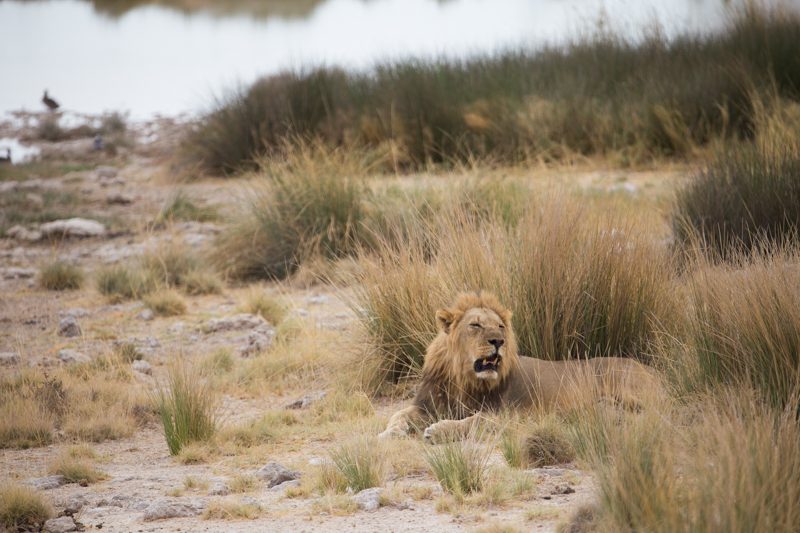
(7,158)
(51,104)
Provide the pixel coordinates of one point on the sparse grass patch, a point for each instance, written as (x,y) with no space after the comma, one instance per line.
(194,453)
(194,483)
(24,423)
(258,302)
(119,282)
(181,207)
(128,352)
(218,363)
(229,509)
(186,408)
(75,470)
(335,504)
(22,508)
(60,276)
(165,302)
(460,467)
(582,520)
(340,405)
(81,451)
(241,483)
(358,465)
(198,281)
(266,429)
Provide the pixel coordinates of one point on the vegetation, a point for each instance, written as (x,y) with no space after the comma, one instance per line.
(602,95)
(22,508)
(60,276)
(75,470)
(356,465)
(186,407)
(167,302)
(460,467)
(181,207)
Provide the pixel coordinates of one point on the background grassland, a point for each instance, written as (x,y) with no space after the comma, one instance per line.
(602,95)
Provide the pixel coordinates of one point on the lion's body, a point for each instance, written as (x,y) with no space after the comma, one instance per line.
(473,366)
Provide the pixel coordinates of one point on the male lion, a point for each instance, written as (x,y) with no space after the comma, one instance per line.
(472,365)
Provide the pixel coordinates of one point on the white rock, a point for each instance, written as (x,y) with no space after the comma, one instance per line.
(285,485)
(68,357)
(142,367)
(21,233)
(234,323)
(162,509)
(18,273)
(47,482)
(220,488)
(75,312)
(63,524)
(275,474)
(9,358)
(146,315)
(106,172)
(73,227)
(68,327)
(306,401)
(257,341)
(74,504)
(369,499)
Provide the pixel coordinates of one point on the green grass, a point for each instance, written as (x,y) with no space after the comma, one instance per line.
(60,276)
(187,408)
(119,282)
(459,467)
(181,207)
(358,465)
(22,508)
(600,95)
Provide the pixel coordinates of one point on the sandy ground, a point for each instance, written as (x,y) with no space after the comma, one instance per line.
(140,468)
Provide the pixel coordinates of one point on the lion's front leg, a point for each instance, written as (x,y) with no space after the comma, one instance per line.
(449,430)
(403,422)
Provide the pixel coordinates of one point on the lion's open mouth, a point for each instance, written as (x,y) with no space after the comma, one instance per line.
(490,362)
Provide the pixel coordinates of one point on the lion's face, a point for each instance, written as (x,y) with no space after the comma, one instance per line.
(481,340)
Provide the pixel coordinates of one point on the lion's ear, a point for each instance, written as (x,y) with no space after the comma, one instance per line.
(445,318)
(506,317)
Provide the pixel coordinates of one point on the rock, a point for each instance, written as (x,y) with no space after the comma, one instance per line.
(275,474)
(162,509)
(563,489)
(249,500)
(47,482)
(306,401)
(257,341)
(35,200)
(18,273)
(62,524)
(119,198)
(235,323)
(369,499)
(68,327)
(142,367)
(176,328)
(549,472)
(285,485)
(74,505)
(73,227)
(69,357)
(21,233)
(106,172)
(318,299)
(145,346)
(9,358)
(75,312)
(220,488)
(146,315)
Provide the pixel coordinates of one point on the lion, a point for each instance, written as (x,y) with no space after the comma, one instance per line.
(472,366)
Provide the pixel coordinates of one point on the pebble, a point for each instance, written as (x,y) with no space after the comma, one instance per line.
(275,474)
(68,327)
(68,357)
(73,227)
(62,524)
(162,509)
(47,482)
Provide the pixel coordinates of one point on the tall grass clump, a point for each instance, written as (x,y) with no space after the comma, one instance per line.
(187,408)
(743,325)
(357,465)
(22,508)
(638,99)
(60,276)
(579,284)
(459,467)
(288,218)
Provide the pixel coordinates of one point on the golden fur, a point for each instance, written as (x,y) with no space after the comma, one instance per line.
(472,365)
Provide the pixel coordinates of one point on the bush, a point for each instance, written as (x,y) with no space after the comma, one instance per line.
(602,95)
(186,408)
(22,509)
(60,276)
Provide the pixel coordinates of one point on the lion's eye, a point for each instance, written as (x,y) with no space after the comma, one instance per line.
(475,325)
(502,326)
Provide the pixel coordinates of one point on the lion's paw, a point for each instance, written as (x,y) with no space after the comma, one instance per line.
(439,432)
(392,433)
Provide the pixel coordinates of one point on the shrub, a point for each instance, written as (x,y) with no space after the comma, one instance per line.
(60,276)
(22,508)
(460,467)
(186,408)
(743,325)
(166,302)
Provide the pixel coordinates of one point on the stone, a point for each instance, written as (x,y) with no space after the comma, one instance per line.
(368,499)
(18,273)
(145,346)
(119,198)
(73,227)
(306,401)
(62,524)
(69,357)
(47,482)
(275,474)
(176,328)
(21,233)
(106,172)
(9,358)
(163,509)
(74,505)
(563,489)
(285,485)
(235,323)
(220,488)
(146,315)
(318,299)
(142,367)
(256,342)
(75,312)
(68,327)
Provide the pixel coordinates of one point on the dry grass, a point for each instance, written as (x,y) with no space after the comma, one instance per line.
(356,465)
(24,423)
(22,508)
(258,302)
(75,470)
(460,467)
(165,302)
(230,509)
(60,276)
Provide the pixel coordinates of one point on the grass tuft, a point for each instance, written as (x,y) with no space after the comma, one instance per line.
(459,467)
(22,509)
(76,470)
(60,276)
(186,408)
(356,465)
(165,302)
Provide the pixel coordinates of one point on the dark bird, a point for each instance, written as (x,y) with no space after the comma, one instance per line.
(51,104)
(7,158)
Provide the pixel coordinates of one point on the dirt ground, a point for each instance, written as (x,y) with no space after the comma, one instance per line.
(140,469)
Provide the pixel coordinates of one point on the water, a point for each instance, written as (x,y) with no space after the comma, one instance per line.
(158,60)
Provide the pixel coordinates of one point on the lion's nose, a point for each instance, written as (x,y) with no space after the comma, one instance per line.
(497,343)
